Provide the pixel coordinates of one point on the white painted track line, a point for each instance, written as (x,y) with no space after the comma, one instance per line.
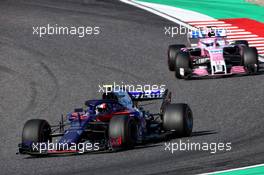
(238,33)
(236,30)
(248,39)
(241,36)
(234,169)
(255,42)
(207,23)
(215,25)
(256,45)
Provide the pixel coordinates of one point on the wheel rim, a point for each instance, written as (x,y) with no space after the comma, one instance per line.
(189,121)
(133,132)
(45,134)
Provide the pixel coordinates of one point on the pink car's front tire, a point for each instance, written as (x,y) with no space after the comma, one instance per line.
(182,65)
(172,54)
(250,59)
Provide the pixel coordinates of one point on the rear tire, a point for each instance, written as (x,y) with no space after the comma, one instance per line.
(178,119)
(36,131)
(172,54)
(183,63)
(122,129)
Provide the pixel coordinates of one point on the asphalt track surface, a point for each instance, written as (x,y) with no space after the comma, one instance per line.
(44,77)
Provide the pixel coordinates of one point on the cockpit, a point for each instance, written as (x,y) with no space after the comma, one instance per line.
(121,96)
(214,42)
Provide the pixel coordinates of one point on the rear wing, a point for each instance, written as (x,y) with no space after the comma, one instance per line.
(148,95)
(163,95)
(207,33)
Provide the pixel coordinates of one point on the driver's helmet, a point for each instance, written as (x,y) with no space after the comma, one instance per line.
(101,108)
(207,42)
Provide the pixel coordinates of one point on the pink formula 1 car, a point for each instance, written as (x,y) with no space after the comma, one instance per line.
(213,56)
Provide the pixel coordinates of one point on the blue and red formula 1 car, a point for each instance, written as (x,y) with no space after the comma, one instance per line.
(212,56)
(117,121)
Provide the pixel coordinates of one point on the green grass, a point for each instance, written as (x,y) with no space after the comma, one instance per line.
(218,8)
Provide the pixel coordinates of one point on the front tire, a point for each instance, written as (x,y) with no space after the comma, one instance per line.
(182,65)
(122,132)
(36,131)
(250,59)
(178,118)
(172,54)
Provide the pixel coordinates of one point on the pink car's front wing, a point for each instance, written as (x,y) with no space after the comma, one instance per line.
(235,70)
